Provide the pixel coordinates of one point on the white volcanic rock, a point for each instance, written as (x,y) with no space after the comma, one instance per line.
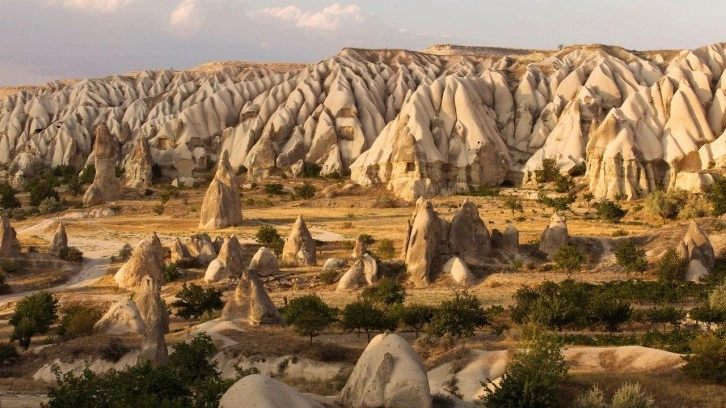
(264,262)
(156,321)
(105,185)
(388,374)
(555,236)
(221,207)
(333,263)
(179,252)
(693,182)
(468,235)
(139,163)
(458,271)
(250,303)
(201,248)
(120,319)
(147,259)
(510,238)
(697,249)
(228,263)
(9,244)
(60,240)
(426,239)
(299,247)
(260,391)
(364,272)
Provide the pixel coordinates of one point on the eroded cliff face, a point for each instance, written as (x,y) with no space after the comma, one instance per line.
(421,123)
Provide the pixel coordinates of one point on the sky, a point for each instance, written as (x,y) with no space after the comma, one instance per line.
(43,40)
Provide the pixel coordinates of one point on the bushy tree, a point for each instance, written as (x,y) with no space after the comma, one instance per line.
(563,183)
(630,257)
(71,254)
(533,378)
(8,353)
(610,211)
(717,298)
(665,315)
(387,292)
(416,316)
(33,315)
(716,195)
(88,174)
(663,205)
(458,317)
(42,189)
(707,315)
(268,236)
(610,312)
(7,197)
(708,358)
(78,321)
(548,172)
(386,249)
(193,301)
(309,315)
(365,316)
(671,268)
(569,258)
(306,191)
(513,204)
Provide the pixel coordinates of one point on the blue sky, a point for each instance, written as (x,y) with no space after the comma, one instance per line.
(51,39)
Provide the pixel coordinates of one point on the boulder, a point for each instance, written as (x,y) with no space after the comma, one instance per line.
(9,244)
(510,238)
(457,270)
(260,391)
(468,235)
(425,241)
(299,248)
(555,236)
(364,272)
(60,240)
(221,207)
(147,259)
(697,249)
(333,263)
(105,185)
(138,166)
(156,321)
(179,252)
(360,247)
(264,262)
(250,303)
(121,318)
(228,262)
(693,182)
(200,247)
(388,374)
(216,271)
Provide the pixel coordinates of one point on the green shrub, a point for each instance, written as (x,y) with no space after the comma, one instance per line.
(593,398)
(514,204)
(630,257)
(71,254)
(88,174)
(305,191)
(632,396)
(696,206)
(569,258)
(114,350)
(671,267)
(386,249)
(311,170)
(328,277)
(365,316)
(273,188)
(532,379)
(125,252)
(610,211)
(665,205)
(193,301)
(42,189)
(563,183)
(387,292)
(708,360)
(268,236)
(717,298)
(309,315)
(416,316)
(716,195)
(7,197)
(158,209)
(484,191)
(49,205)
(385,201)
(33,315)
(458,317)
(8,353)
(4,287)
(171,272)
(548,172)
(78,321)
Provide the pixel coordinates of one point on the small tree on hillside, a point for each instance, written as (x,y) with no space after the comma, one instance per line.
(513,204)
(305,191)
(7,197)
(364,316)
(707,359)
(308,315)
(662,204)
(268,236)
(716,194)
(193,301)
(569,258)
(610,211)
(459,316)
(387,292)
(33,315)
(630,257)
(416,316)
(548,172)
(671,268)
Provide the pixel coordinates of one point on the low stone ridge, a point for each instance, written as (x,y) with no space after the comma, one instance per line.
(221,207)
(389,374)
(60,240)
(9,244)
(147,259)
(250,303)
(155,315)
(105,185)
(555,235)
(697,249)
(260,391)
(121,318)
(264,262)
(299,247)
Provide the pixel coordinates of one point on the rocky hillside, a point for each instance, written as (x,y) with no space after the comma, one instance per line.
(422,123)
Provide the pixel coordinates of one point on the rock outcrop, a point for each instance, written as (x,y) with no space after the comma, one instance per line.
(299,248)
(147,259)
(360,247)
(260,391)
(468,235)
(333,263)
(388,374)
(156,321)
(697,249)
(60,240)
(555,235)
(179,252)
(458,271)
(105,185)
(228,262)
(363,273)
(250,303)
(510,238)
(426,240)
(139,164)
(264,262)
(121,318)
(9,244)
(200,248)
(221,207)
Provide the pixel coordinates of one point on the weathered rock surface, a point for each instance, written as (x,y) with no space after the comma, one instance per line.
(364,272)
(264,262)
(9,244)
(120,319)
(333,263)
(468,235)
(156,321)
(299,248)
(221,207)
(105,185)
(360,247)
(139,163)
(228,263)
(388,374)
(147,259)
(60,240)
(426,240)
(260,391)
(697,249)
(179,252)
(510,238)
(555,235)
(250,303)
(200,247)
(458,271)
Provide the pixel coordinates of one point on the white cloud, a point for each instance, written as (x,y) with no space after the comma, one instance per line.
(186,14)
(331,18)
(103,6)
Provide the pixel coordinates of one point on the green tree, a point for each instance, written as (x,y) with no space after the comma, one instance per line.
(42,189)
(610,312)
(661,204)
(630,257)
(717,298)
(716,194)
(533,378)
(193,301)
(365,316)
(306,191)
(707,315)
(671,268)
(610,211)
(513,204)
(33,315)
(273,188)
(563,183)
(88,174)
(8,353)
(548,172)
(387,292)
(78,321)
(268,236)
(308,315)
(416,316)
(7,197)
(707,360)
(665,315)
(459,316)
(569,258)
(588,197)
(386,249)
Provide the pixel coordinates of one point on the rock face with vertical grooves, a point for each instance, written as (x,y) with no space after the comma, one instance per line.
(105,185)
(139,163)
(299,249)
(221,207)
(60,240)
(147,259)
(250,303)
(228,263)
(9,244)
(697,249)
(156,321)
